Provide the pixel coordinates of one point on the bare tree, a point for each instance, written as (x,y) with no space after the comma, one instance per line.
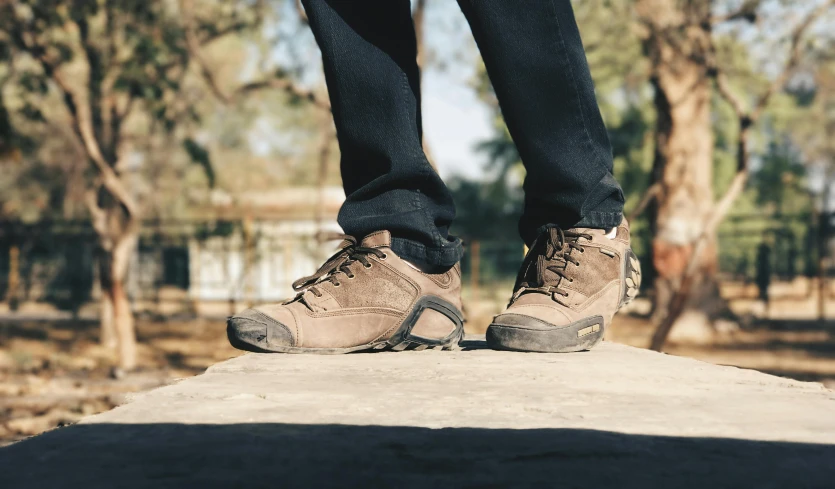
(112,64)
(678,37)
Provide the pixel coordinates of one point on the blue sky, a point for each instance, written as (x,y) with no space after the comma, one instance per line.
(454,119)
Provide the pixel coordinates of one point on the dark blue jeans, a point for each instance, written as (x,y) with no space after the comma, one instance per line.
(536,63)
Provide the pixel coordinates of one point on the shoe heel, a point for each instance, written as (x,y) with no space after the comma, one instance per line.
(403,339)
(419,343)
(632,278)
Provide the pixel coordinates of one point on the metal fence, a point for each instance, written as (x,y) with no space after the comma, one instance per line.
(192,266)
(178,266)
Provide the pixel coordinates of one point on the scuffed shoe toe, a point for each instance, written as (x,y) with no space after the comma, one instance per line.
(253,330)
(519,332)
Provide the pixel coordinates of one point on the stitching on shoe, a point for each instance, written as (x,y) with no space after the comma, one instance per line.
(444,285)
(297,321)
(404,277)
(529,306)
(374,234)
(353,311)
(548,306)
(599,293)
(418,294)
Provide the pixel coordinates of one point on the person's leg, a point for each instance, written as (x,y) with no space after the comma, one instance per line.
(535,59)
(577,273)
(369,295)
(369,55)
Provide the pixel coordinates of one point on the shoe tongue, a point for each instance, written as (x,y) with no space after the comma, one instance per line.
(377,239)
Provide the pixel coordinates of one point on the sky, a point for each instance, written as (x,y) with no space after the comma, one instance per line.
(454,119)
(454,122)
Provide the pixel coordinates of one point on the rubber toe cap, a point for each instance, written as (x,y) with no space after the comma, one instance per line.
(513,320)
(252,328)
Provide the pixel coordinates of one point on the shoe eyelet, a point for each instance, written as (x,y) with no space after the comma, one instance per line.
(351,277)
(337,284)
(367,266)
(384,256)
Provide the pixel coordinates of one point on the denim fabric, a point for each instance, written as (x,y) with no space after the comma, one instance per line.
(535,60)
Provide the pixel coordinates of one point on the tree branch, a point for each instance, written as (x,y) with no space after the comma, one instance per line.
(97,215)
(80,113)
(83,121)
(650,195)
(747,12)
(795,52)
(419,17)
(725,91)
(302,14)
(194,48)
(289,87)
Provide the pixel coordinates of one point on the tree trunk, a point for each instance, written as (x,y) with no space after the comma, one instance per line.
(107,335)
(676,41)
(117,320)
(125,330)
(823,238)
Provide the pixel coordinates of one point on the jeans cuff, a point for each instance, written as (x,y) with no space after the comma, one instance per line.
(428,259)
(600,220)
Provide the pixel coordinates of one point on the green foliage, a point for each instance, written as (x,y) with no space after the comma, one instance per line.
(780,182)
(149,99)
(484,212)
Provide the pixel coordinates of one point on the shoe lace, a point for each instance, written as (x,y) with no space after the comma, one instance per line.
(339,263)
(550,252)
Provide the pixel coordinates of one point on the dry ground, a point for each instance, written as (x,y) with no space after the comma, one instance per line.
(53,372)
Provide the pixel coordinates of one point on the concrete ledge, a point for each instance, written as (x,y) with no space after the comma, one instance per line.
(613,417)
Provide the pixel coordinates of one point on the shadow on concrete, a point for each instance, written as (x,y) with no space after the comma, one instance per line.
(286,455)
(795,325)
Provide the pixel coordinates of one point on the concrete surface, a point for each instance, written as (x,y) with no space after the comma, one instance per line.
(613,417)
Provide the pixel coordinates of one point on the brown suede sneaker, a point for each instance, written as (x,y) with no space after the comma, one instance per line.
(364,297)
(569,287)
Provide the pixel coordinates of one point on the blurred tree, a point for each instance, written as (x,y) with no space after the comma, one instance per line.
(485,211)
(686,55)
(692,70)
(812,130)
(117,74)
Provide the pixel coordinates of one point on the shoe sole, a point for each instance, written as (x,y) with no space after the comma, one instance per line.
(580,335)
(401,340)
(631,278)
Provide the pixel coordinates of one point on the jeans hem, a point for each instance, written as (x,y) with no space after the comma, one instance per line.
(434,259)
(600,220)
